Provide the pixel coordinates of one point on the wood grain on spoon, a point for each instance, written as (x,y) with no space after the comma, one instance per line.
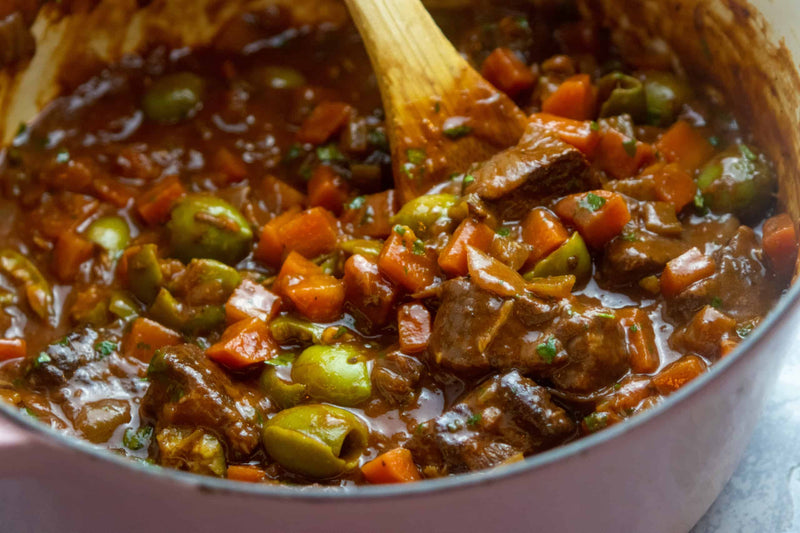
(442,116)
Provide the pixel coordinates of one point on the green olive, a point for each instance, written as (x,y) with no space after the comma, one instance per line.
(318,441)
(274,77)
(285,329)
(362,247)
(572,257)
(421,213)
(737,181)
(666,93)
(111,233)
(192,450)
(336,374)
(173,97)
(122,306)
(191,320)
(23,271)
(283,393)
(144,273)
(207,281)
(206,227)
(622,94)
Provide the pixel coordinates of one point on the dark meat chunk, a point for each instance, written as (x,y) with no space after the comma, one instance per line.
(504,418)
(705,333)
(396,376)
(186,388)
(55,366)
(539,166)
(742,286)
(16,41)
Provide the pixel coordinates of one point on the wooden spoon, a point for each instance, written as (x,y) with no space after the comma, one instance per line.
(442,116)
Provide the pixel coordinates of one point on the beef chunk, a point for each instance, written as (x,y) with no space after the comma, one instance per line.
(56,365)
(16,41)
(506,417)
(742,286)
(396,376)
(186,388)
(539,166)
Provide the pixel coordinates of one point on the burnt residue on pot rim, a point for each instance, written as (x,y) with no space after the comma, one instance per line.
(732,48)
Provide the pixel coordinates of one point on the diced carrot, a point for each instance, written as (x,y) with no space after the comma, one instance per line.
(146,336)
(406,261)
(507,72)
(12,349)
(311,233)
(327,189)
(279,196)
(112,191)
(780,243)
(294,268)
(70,252)
(726,346)
(632,390)
(367,290)
(244,343)
(324,122)
(133,163)
(372,216)
(251,300)
(156,202)
(544,232)
(598,215)
(453,258)
(684,270)
(641,341)
(319,297)
(677,374)
(575,98)
(75,175)
(674,185)
(413,327)
(686,146)
(394,466)
(230,164)
(581,134)
(270,245)
(620,156)
(246,473)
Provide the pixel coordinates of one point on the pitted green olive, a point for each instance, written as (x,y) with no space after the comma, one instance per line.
(737,181)
(144,273)
(572,257)
(111,233)
(173,97)
(622,94)
(422,212)
(336,374)
(318,441)
(206,227)
(666,94)
(283,393)
(286,328)
(275,77)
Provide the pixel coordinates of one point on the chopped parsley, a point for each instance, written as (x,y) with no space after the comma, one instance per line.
(634,328)
(714,141)
(400,230)
(474,419)
(136,439)
(282,359)
(605,315)
(22,129)
(341,330)
(418,247)
(456,132)
(617,386)
(293,153)
(747,152)
(594,126)
(592,202)
(357,202)
(330,152)
(62,156)
(377,138)
(630,147)
(437,107)
(41,359)
(630,236)
(744,330)
(469,178)
(547,350)
(503,232)
(716,302)
(596,421)
(416,156)
(106,348)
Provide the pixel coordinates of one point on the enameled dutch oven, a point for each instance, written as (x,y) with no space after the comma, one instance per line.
(658,472)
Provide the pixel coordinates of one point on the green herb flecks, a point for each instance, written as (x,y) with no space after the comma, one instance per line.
(592,202)
(136,439)
(547,350)
(416,156)
(596,421)
(330,152)
(357,202)
(457,132)
(105,348)
(474,419)
(281,360)
(630,147)
(418,247)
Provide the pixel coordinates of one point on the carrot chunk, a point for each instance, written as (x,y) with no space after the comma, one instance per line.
(279,196)
(674,185)
(579,133)
(575,98)
(244,343)
(507,72)
(230,164)
(684,270)
(405,260)
(327,189)
(677,374)
(370,215)
(270,245)
(686,146)
(156,202)
(367,290)
(246,473)
(293,269)
(146,336)
(70,253)
(453,258)
(544,232)
(641,341)
(12,349)
(324,122)
(706,331)
(598,215)
(394,466)
(620,156)
(319,297)
(780,243)
(311,233)
(251,300)
(413,327)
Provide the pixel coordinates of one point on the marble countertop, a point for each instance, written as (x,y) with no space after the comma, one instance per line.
(763,496)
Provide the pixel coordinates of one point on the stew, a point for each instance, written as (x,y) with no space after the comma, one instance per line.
(204,265)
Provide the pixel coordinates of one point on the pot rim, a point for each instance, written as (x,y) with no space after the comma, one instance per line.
(780,315)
